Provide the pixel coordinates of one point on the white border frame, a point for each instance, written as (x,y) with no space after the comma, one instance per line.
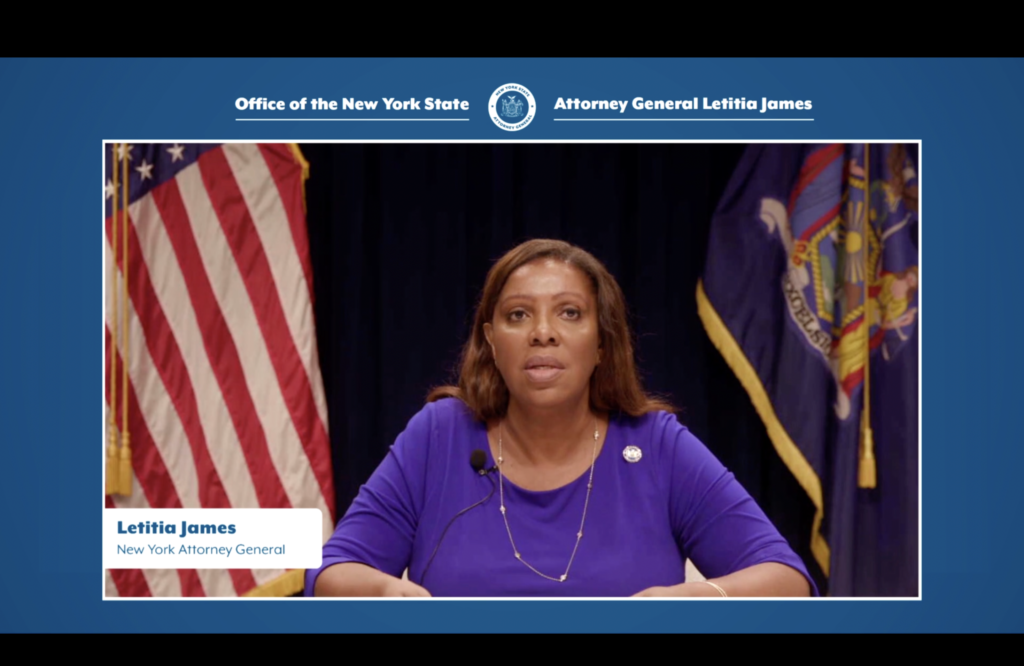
(920,326)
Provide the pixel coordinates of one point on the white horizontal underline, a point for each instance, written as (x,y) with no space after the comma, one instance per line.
(369,120)
(662,120)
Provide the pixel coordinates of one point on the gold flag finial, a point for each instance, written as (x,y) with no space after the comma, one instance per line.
(301,159)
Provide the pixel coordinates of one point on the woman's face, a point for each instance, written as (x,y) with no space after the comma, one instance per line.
(544,334)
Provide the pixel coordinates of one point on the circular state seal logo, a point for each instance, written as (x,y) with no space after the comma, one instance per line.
(512,107)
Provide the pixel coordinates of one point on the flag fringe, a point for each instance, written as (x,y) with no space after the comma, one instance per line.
(785,446)
(284,585)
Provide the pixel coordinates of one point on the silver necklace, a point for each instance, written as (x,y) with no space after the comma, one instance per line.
(586,503)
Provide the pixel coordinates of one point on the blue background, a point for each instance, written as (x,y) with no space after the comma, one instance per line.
(57,112)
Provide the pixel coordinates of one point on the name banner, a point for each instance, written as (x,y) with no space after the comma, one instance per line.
(212,538)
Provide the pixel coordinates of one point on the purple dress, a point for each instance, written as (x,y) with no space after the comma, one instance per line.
(644,520)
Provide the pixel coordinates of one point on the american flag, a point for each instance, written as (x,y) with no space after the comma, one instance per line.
(225,404)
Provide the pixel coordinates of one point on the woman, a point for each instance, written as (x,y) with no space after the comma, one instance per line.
(599,490)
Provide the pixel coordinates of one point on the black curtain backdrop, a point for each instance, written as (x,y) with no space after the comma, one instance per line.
(402,236)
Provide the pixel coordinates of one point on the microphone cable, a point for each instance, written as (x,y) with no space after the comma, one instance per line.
(477,460)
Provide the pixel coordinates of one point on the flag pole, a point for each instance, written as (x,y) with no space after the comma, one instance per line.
(113,472)
(125,476)
(866,469)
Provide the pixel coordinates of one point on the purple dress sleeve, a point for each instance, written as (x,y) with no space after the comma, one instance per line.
(380,525)
(716,522)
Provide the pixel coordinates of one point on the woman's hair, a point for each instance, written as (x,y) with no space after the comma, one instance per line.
(615,385)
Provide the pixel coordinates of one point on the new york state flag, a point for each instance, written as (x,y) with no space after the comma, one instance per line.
(811,292)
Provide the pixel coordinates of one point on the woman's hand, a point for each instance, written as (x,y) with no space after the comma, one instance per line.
(768,579)
(398,587)
(351,579)
(681,590)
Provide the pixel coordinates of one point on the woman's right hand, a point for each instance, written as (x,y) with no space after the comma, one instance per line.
(398,587)
(351,579)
